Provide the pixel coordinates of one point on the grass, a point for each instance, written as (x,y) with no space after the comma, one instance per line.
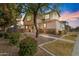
(59,48)
(71,36)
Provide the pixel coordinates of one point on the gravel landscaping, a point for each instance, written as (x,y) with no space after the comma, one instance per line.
(70,36)
(59,48)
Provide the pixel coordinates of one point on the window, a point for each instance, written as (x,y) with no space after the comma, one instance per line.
(44,25)
(54,15)
(28,18)
(47,16)
(26,27)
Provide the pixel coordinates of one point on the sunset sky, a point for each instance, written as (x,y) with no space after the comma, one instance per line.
(70,13)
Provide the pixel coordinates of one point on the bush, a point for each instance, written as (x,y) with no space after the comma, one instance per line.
(6,36)
(51,31)
(73,35)
(1,34)
(13,37)
(28,46)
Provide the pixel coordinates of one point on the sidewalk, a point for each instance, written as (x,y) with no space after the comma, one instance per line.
(76,47)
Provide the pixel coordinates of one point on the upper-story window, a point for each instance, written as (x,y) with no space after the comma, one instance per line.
(44,25)
(29,18)
(47,16)
(54,16)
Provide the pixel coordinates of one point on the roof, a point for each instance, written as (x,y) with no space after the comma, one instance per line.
(63,21)
(53,12)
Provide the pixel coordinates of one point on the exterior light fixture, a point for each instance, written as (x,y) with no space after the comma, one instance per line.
(44,25)
(26,27)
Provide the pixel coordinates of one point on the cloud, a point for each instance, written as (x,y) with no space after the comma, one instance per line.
(69,16)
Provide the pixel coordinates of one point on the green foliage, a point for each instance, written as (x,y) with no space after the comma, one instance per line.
(51,31)
(8,15)
(6,35)
(14,37)
(28,46)
(1,34)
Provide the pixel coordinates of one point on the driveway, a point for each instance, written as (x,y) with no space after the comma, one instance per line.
(41,39)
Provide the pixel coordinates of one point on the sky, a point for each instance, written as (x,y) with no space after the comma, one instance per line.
(70,13)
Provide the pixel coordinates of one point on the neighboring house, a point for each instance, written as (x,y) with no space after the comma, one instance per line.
(28,24)
(51,23)
(45,22)
(20,22)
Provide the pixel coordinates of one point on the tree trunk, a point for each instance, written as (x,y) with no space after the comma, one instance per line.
(5,30)
(35,24)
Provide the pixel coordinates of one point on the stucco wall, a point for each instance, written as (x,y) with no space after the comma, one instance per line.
(51,25)
(54,16)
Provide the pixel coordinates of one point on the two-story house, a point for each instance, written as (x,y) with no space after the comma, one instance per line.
(46,22)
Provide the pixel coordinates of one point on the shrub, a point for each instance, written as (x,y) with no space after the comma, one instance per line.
(6,36)
(51,31)
(13,37)
(28,46)
(1,34)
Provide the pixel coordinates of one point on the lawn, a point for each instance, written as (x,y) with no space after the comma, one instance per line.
(71,36)
(59,48)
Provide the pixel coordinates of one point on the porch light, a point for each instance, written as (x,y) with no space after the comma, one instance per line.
(44,25)
(26,27)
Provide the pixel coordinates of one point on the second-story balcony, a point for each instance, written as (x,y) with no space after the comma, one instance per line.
(28,23)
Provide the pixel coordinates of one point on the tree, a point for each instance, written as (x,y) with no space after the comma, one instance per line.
(35,9)
(8,15)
